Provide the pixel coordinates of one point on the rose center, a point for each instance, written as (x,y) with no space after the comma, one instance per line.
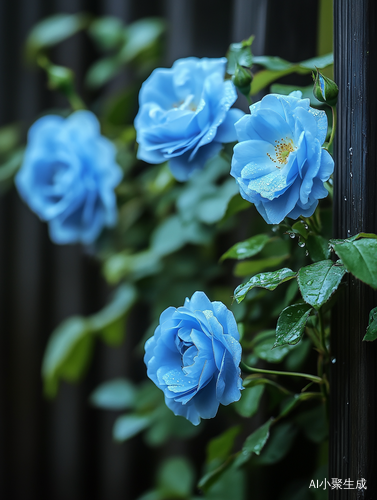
(283,148)
(187,104)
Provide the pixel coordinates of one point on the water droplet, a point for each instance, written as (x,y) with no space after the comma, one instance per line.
(301,244)
(292,235)
(349,231)
(351,175)
(310,282)
(350,151)
(307,253)
(333,361)
(306,226)
(275,228)
(345,198)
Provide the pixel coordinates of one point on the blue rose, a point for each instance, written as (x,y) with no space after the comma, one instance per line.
(194,358)
(279,163)
(68,177)
(185,114)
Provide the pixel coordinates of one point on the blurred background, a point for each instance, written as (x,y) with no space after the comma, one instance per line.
(62,449)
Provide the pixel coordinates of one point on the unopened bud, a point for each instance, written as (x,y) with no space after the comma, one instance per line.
(325,89)
(60,78)
(242,79)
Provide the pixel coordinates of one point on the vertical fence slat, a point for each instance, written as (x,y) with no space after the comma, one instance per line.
(353,451)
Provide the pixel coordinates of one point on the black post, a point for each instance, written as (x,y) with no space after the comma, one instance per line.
(353,422)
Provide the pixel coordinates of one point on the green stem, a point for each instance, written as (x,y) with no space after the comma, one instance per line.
(333,109)
(249,100)
(322,333)
(75,101)
(250,369)
(323,358)
(269,382)
(312,334)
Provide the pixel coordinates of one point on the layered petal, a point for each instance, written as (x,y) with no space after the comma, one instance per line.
(68,177)
(185,116)
(194,358)
(279,164)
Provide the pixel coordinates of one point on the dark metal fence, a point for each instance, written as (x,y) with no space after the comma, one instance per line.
(62,450)
(353,451)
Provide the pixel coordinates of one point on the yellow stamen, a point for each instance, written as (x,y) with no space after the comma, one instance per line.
(282,150)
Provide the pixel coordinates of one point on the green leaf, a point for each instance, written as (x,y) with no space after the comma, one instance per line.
(175,479)
(75,365)
(127,426)
(117,394)
(67,353)
(168,236)
(298,355)
(70,345)
(313,423)
(248,405)
(273,63)
(107,32)
(263,344)
(319,281)
(173,233)
(358,254)
(150,495)
(279,444)
(148,397)
(235,205)
(301,229)
(10,136)
(230,484)
(291,403)
(206,195)
(141,35)
(254,443)
(212,208)
(319,62)
(107,321)
(166,425)
(220,447)
(9,169)
(239,53)
(291,324)
(265,77)
(53,30)
(278,68)
(318,247)
(138,265)
(255,266)
(102,71)
(371,333)
(246,248)
(213,476)
(118,110)
(264,280)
